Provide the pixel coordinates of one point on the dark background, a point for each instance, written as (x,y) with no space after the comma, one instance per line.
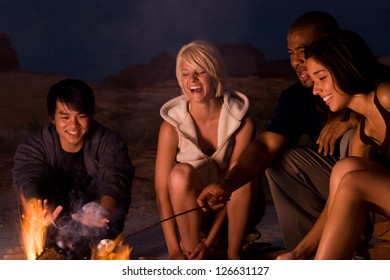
(93,39)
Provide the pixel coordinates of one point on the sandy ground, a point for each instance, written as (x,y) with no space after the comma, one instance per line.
(135,114)
(142,229)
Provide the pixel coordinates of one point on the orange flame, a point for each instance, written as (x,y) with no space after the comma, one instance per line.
(109,249)
(33,228)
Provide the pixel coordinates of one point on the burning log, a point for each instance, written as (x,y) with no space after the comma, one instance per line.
(66,243)
(52,253)
(108,249)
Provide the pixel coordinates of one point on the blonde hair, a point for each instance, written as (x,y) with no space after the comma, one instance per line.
(204,55)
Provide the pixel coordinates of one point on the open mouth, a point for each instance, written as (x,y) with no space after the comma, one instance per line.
(195,88)
(303,75)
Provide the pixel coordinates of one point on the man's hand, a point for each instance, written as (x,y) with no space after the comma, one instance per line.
(329,135)
(214,196)
(92,215)
(40,211)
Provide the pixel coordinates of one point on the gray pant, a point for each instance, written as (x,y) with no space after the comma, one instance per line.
(299,184)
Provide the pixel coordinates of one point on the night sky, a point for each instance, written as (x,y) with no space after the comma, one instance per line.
(93,39)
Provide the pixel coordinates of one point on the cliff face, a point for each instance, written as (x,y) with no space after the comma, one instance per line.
(241,60)
(9,60)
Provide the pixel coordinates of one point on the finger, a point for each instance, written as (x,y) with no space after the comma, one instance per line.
(332,145)
(56,212)
(194,253)
(39,205)
(217,206)
(325,150)
(76,217)
(45,204)
(203,199)
(90,221)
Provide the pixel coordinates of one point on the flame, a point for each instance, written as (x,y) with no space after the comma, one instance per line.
(109,249)
(33,228)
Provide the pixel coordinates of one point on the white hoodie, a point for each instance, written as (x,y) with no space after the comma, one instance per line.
(210,168)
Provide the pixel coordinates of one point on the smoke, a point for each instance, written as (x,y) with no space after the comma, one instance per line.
(76,239)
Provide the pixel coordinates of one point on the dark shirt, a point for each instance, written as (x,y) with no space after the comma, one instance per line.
(43,170)
(299,112)
(70,189)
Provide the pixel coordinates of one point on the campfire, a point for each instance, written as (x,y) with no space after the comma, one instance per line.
(34,231)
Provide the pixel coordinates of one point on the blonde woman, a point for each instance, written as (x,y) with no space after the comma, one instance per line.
(203,132)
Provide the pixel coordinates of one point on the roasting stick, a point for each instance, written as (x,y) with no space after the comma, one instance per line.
(169,218)
(182,213)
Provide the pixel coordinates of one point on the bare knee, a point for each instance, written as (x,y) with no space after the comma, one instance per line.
(350,186)
(182,178)
(344,172)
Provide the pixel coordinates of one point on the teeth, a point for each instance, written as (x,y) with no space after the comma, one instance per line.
(194,88)
(326,98)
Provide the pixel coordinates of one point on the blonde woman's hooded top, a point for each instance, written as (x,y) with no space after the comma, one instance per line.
(210,168)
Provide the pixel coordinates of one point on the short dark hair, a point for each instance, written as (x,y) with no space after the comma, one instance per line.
(75,94)
(349,60)
(321,22)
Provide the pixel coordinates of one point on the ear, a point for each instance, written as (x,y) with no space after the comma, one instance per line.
(51,119)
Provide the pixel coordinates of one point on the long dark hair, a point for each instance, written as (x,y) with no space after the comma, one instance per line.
(350,61)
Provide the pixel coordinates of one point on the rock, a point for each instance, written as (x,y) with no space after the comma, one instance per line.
(242,60)
(9,60)
(158,70)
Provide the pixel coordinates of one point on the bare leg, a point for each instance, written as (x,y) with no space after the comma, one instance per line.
(343,167)
(184,188)
(242,210)
(357,192)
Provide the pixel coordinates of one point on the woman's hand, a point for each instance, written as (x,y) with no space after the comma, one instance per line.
(199,252)
(289,255)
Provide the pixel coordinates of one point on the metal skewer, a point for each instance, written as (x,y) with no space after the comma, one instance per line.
(167,219)
(182,213)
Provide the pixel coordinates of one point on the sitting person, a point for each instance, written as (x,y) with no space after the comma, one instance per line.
(298,175)
(346,74)
(79,171)
(203,133)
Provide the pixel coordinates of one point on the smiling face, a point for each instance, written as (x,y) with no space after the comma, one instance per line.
(297,41)
(325,87)
(71,126)
(196,82)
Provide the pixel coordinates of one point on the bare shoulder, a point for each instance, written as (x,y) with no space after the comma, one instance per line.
(247,120)
(247,125)
(167,141)
(383,93)
(166,127)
